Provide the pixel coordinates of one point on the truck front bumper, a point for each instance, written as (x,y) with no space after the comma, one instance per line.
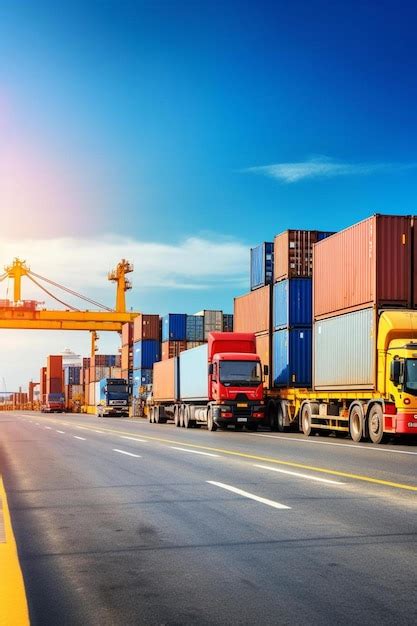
(234,415)
(401,423)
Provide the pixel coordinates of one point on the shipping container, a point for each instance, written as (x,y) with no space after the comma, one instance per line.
(213,321)
(174,327)
(127,357)
(54,366)
(127,374)
(92,394)
(344,351)
(146,353)
(172,348)
(292,357)
(368,264)
(42,381)
(252,312)
(293,254)
(106,360)
(165,380)
(141,378)
(72,375)
(194,344)
(86,362)
(97,373)
(146,327)
(193,366)
(293,303)
(54,385)
(322,235)
(263,350)
(195,328)
(127,334)
(227,322)
(262,265)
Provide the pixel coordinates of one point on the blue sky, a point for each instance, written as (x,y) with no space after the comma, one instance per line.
(164,121)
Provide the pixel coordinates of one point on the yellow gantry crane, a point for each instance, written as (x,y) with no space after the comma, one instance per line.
(26,314)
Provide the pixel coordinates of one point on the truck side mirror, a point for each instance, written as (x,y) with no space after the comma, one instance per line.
(210,369)
(266,370)
(395,373)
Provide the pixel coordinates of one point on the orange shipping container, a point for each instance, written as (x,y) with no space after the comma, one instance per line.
(172,348)
(127,358)
(127,334)
(164,380)
(368,264)
(42,381)
(146,327)
(293,254)
(54,366)
(252,312)
(263,349)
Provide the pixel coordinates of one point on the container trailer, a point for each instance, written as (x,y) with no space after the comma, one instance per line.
(112,397)
(218,384)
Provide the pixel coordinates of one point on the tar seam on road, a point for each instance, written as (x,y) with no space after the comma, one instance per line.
(251,496)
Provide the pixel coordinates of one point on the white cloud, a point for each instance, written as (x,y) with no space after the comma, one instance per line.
(324,167)
(195,263)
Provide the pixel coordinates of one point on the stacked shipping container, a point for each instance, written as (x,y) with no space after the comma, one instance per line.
(146,349)
(357,272)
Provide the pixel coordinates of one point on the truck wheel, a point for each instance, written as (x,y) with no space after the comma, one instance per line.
(306,421)
(210,423)
(186,417)
(156,415)
(376,424)
(281,427)
(272,417)
(177,416)
(356,423)
(181,415)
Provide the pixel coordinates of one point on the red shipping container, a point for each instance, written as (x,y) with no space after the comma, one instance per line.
(253,311)
(54,385)
(127,334)
(368,264)
(146,327)
(172,348)
(42,381)
(54,366)
(293,254)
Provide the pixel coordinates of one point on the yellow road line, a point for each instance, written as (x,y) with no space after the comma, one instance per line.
(13,604)
(313,468)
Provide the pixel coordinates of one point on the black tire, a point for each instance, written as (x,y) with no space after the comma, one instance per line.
(156,415)
(356,423)
(210,422)
(272,417)
(181,415)
(376,424)
(306,419)
(281,427)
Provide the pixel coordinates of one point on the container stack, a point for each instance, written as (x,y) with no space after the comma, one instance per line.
(194,329)
(42,384)
(292,307)
(262,265)
(174,334)
(227,322)
(102,366)
(127,352)
(146,349)
(357,272)
(54,377)
(212,322)
(73,387)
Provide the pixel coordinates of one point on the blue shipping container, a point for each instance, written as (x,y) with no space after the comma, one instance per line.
(141,378)
(174,327)
(72,375)
(322,235)
(146,353)
(261,265)
(193,370)
(195,328)
(292,357)
(293,303)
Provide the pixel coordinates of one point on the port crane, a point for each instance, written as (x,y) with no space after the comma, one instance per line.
(27,314)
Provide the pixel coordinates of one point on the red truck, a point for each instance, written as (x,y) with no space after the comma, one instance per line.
(218,384)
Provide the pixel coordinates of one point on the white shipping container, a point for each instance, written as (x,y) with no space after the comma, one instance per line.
(345,351)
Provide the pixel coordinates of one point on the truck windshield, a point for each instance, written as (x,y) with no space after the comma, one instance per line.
(240,373)
(410,382)
(117,388)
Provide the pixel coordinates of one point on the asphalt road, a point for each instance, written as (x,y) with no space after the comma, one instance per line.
(124,522)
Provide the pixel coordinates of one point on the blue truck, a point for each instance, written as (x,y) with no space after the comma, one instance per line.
(112,397)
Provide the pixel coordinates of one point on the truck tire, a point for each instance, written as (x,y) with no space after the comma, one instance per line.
(177,416)
(272,416)
(306,419)
(210,423)
(150,415)
(281,427)
(156,415)
(376,424)
(181,415)
(186,422)
(356,423)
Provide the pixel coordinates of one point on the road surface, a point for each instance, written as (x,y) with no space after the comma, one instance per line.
(123,522)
